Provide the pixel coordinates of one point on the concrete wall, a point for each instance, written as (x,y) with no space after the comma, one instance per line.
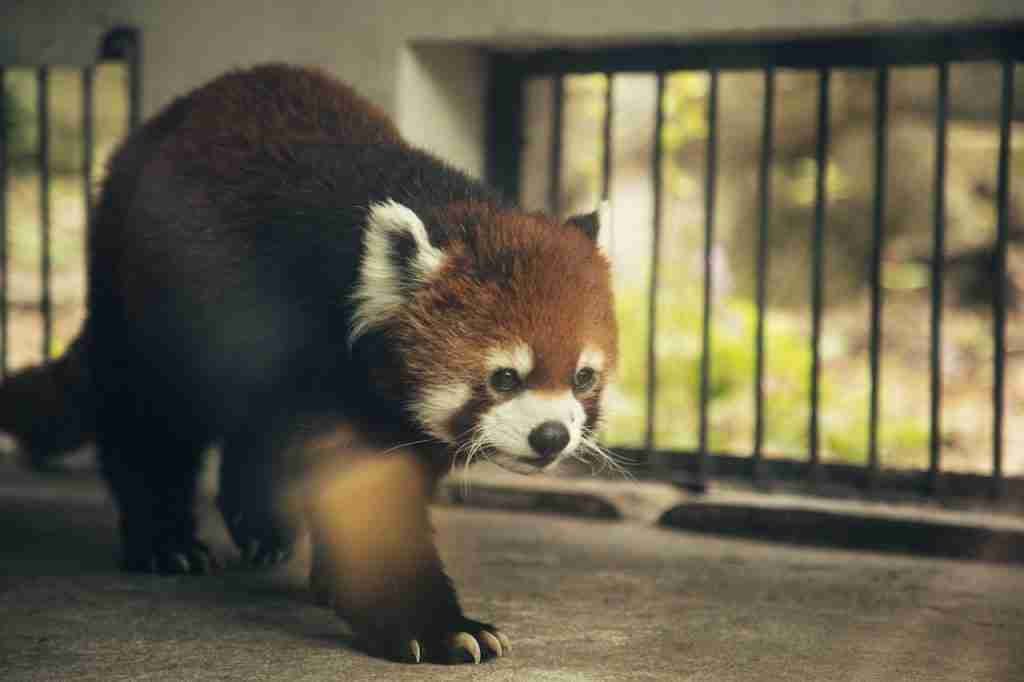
(423,60)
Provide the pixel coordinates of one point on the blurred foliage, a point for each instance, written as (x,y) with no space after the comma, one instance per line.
(66,199)
(844,381)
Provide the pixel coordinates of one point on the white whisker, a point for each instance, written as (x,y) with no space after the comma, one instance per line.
(405,445)
(470,449)
(605,458)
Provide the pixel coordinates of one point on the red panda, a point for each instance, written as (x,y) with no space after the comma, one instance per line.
(274,269)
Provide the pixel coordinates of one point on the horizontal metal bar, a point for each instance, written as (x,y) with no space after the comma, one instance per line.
(893,484)
(905,48)
(27,50)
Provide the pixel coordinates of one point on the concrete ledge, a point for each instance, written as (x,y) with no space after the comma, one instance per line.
(848,524)
(850,531)
(489,487)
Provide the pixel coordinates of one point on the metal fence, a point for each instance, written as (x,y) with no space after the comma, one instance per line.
(121,45)
(1003,46)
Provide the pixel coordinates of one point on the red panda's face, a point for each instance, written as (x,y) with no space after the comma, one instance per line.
(506,332)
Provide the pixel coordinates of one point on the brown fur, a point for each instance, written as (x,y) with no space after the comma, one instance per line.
(524,279)
(291,106)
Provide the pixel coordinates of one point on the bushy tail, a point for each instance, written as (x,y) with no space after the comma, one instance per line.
(49,408)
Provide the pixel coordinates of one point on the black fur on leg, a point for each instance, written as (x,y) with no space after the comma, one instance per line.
(152,465)
(252,498)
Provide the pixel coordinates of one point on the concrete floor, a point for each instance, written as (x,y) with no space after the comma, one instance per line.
(580,599)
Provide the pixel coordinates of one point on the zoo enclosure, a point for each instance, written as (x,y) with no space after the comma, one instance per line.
(1004,47)
(120,45)
(880,55)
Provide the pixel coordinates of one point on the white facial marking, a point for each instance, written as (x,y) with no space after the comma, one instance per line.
(593,358)
(518,357)
(437,405)
(507,426)
(378,294)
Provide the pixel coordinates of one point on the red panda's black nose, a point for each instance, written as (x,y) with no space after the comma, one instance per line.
(549,439)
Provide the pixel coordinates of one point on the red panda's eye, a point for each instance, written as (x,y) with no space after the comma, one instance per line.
(506,380)
(584,379)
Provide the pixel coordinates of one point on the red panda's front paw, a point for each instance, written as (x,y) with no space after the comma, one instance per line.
(468,641)
(461,641)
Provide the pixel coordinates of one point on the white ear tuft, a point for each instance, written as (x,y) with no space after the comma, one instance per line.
(398,257)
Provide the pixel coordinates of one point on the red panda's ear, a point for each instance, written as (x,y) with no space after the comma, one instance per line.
(397,259)
(591,223)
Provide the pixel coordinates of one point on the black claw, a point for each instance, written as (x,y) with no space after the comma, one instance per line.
(257,553)
(187,557)
(251,550)
(200,563)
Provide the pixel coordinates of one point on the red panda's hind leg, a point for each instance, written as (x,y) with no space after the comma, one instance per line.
(252,498)
(153,480)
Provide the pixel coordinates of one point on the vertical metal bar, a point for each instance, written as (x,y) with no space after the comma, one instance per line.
(88,83)
(999,298)
(817,266)
(761,267)
(555,178)
(124,44)
(133,57)
(3,224)
(45,298)
(606,133)
(877,247)
(937,274)
(606,161)
(660,467)
(505,128)
(711,173)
